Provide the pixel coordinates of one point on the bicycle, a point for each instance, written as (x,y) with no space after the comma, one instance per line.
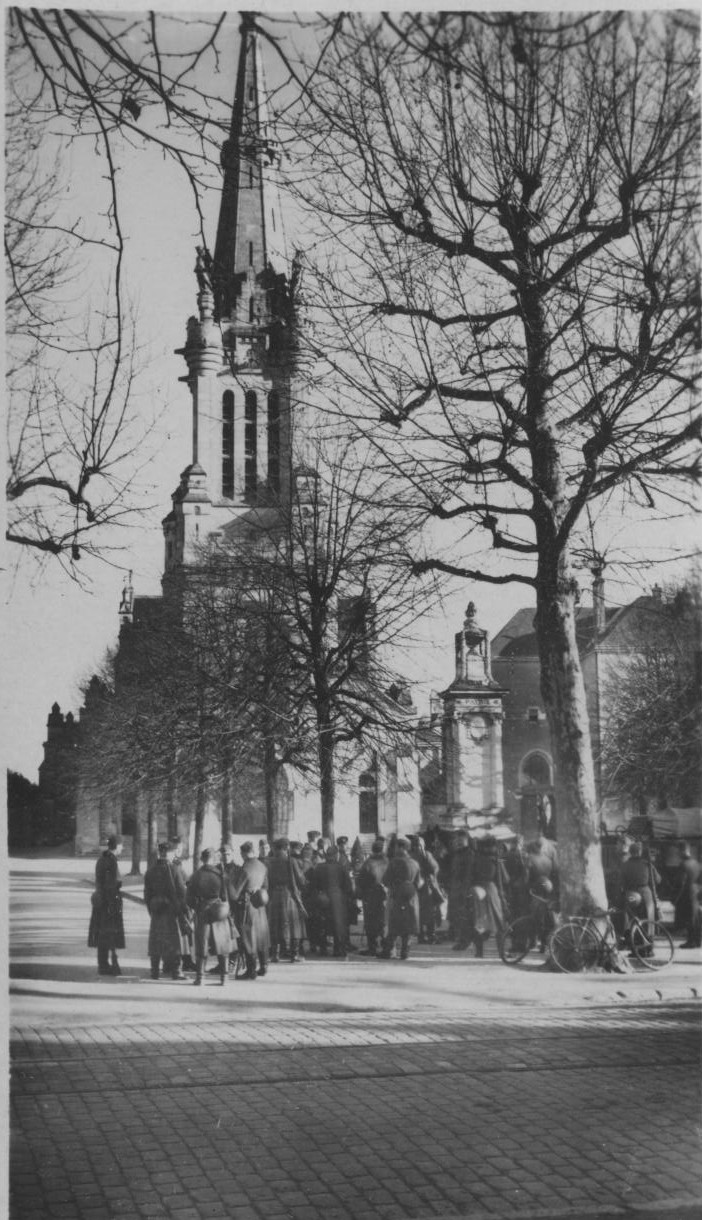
(523,934)
(581,944)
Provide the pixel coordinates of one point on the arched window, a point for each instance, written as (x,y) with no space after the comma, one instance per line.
(274,442)
(228,444)
(251,309)
(250,438)
(535,770)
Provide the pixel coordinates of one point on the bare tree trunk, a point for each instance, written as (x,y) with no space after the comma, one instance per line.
(170,802)
(563,690)
(136,842)
(226,796)
(152,825)
(270,769)
(200,805)
(326,781)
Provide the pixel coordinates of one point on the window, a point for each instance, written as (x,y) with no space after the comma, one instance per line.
(250,254)
(250,426)
(274,442)
(533,715)
(535,771)
(228,445)
(251,309)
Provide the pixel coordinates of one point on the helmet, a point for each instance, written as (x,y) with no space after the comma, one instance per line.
(633,898)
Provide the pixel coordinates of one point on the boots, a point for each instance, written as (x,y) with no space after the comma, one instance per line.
(223,969)
(296,951)
(262,965)
(114,968)
(155,963)
(250,967)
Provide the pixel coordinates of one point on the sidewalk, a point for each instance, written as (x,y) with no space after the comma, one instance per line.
(45,985)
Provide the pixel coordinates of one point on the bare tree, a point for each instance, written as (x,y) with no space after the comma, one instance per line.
(334,603)
(652,740)
(72,419)
(507,282)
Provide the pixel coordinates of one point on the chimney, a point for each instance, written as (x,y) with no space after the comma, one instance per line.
(598,600)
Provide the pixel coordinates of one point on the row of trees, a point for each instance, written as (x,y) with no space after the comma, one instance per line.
(272,653)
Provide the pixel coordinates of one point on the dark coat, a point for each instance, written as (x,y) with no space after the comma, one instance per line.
(403,880)
(206,885)
(106,929)
(164,896)
(430,892)
(638,876)
(286,916)
(489,880)
(333,879)
(687,905)
(251,921)
(373,894)
(460,872)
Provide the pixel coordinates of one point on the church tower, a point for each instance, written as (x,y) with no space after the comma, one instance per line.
(240,346)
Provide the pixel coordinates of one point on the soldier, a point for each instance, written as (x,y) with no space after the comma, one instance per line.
(687,904)
(430,895)
(286,915)
(185,927)
(164,897)
(213,930)
(403,881)
(106,931)
(461,869)
(373,895)
(248,893)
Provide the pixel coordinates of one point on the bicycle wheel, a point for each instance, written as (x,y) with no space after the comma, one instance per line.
(651,944)
(516,940)
(574,947)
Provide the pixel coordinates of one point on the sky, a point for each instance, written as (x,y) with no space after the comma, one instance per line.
(56,631)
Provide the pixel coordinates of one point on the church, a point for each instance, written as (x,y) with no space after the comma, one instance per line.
(241,358)
(482,758)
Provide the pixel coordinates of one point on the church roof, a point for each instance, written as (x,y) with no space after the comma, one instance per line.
(250,241)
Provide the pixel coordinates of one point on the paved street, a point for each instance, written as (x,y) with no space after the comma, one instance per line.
(439,1087)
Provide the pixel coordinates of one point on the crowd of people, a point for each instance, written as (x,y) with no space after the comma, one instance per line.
(294,899)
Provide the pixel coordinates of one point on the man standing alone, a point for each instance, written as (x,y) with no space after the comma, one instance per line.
(106,931)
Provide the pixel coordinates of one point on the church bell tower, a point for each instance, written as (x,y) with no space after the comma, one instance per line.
(240,345)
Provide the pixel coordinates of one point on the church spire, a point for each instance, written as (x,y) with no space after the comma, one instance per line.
(250,266)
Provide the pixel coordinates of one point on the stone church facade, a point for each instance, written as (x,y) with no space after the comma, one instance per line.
(240,354)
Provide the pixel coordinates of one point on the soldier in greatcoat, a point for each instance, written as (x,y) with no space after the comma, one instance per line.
(248,894)
(403,881)
(687,903)
(213,933)
(106,931)
(373,894)
(286,911)
(460,874)
(332,881)
(185,927)
(164,897)
(430,895)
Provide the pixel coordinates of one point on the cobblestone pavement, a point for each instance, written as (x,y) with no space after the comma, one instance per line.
(351,1119)
(162,1100)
